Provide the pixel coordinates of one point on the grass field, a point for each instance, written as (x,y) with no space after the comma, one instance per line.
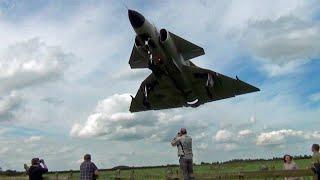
(160,173)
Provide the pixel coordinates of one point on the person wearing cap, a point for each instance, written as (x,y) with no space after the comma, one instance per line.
(184,145)
(35,171)
(88,170)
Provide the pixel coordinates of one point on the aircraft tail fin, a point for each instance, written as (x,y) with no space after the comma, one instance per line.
(186,48)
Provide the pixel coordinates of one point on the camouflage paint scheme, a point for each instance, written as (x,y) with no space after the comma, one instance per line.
(175,81)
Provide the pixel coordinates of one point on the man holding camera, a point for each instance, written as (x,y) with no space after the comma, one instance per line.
(184,145)
(36,170)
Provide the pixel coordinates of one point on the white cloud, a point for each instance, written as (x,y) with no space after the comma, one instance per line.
(252,119)
(245,133)
(278,137)
(283,44)
(30,62)
(90,128)
(8,105)
(3,131)
(238,14)
(315,97)
(33,139)
(111,116)
(224,136)
(315,135)
(79,161)
(202,146)
(228,146)
(227,140)
(113,120)
(4,150)
(200,136)
(130,74)
(246,124)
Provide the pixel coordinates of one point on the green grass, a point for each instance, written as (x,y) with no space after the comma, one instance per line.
(160,173)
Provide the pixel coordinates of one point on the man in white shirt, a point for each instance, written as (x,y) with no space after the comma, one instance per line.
(184,145)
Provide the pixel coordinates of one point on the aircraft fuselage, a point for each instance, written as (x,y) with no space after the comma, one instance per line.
(164,57)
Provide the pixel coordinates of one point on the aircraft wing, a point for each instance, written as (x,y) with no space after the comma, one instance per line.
(186,48)
(137,60)
(161,94)
(211,86)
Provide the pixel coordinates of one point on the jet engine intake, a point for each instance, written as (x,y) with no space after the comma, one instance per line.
(163,35)
(167,42)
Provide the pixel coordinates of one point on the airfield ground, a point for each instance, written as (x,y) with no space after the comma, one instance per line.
(161,173)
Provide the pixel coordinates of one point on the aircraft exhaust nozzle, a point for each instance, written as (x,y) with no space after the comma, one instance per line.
(136,19)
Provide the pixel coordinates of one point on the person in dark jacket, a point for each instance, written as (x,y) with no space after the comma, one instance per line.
(37,169)
(316,160)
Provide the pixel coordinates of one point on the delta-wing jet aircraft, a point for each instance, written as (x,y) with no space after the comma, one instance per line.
(175,81)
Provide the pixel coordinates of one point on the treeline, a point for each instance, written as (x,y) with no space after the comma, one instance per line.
(123,168)
(255,160)
(10,172)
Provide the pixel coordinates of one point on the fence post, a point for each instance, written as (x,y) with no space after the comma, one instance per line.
(177,177)
(132,174)
(240,175)
(56,175)
(315,176)
(70,175)
(118,175)
(170,175)
(273,167)
(169,172)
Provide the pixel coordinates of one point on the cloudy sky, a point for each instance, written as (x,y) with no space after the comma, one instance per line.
(65,82)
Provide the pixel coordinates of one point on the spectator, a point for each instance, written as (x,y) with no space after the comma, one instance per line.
(289,164)
(88,170)
(36,171)
(316,159)
(184,144)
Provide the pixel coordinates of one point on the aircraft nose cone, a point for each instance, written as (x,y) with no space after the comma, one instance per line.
(136,19)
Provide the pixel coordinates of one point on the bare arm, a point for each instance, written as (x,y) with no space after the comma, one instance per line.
(45,168)
(175,141)
(96,172)
(26,167)
(44,165)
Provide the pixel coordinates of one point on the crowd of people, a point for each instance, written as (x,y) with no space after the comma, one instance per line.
(88,170)
(184,145)
(183,142)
